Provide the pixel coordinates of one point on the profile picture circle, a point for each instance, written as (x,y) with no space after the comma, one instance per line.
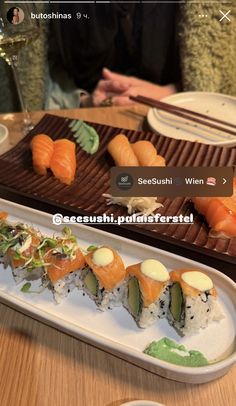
(15,15)
(124,181)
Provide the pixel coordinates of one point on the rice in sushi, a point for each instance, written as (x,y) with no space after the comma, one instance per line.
(193,301)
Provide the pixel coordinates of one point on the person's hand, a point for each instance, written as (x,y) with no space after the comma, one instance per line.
(105,90)
(135,87)
(116,89)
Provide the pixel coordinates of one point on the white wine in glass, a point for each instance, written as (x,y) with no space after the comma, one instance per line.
(17,29)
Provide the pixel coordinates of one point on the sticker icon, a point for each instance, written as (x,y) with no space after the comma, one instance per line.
(211,181)
(124,181)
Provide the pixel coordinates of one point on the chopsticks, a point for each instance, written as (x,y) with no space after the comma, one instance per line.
(187,114)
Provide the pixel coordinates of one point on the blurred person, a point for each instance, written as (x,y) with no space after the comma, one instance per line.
(194,55)
(138,41)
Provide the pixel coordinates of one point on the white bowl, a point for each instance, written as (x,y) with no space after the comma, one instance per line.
(4,139)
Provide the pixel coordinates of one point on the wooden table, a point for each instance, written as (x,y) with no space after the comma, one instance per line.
(131,117)
(40,366)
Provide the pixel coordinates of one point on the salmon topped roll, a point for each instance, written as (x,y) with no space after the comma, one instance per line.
(21,244)
(220,213)
(63,262)
(147,292)
(193,301)
(63,162)
(103,278)
(42,147)
(3,225)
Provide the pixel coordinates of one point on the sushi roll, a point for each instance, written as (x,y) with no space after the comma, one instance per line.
(103,278)
(147,292)
(3,231)
(193,301)
(19,247)
(63,264)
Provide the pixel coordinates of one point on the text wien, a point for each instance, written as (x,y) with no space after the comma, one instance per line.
(193,181)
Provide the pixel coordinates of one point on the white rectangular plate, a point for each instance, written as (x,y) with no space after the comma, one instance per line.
(114,330)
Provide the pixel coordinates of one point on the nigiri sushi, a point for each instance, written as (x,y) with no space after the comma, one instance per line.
(147,292)
(42,151)
(146,154)
(122,152)
(193,301)
(63,264)
(103,279)
(63,161)
(220,213)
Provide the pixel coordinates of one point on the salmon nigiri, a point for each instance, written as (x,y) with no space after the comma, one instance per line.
(146,154)
(63,162)
(220,213)
(122,152)
(42,150)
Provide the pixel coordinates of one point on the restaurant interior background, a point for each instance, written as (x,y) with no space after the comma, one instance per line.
(108,297)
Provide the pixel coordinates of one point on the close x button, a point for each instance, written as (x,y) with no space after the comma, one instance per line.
(224,15)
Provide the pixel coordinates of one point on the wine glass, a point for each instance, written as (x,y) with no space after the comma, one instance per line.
(17,29)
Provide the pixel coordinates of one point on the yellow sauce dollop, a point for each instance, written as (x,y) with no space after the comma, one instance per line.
(103,256)
(197,280)
(155,270)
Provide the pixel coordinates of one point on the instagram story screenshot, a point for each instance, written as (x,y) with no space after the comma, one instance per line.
(118,203)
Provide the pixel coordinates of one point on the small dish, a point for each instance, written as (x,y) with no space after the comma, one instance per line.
(4,139)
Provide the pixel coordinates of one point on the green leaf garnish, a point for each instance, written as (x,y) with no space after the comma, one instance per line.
(5,245)
(86,136)
(35,263)
(26,287)
(92,248)
(48,242)
(17,255)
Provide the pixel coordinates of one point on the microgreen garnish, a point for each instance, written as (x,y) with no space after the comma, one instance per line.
(91,248)
(47,242)
(68,234)
(26,287)
(66,231)
(17,255)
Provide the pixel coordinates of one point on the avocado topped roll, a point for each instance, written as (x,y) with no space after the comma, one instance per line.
(147,292)
(193,301)
(63,262)
(103,278)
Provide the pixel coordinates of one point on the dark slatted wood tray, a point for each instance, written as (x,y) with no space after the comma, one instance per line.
(92,180)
